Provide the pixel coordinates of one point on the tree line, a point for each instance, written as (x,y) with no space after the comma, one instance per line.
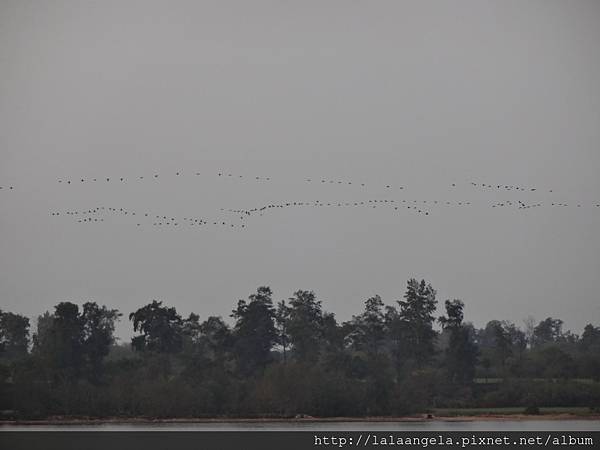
(281,359)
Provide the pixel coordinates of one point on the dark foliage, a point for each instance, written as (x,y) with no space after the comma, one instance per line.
(290,358)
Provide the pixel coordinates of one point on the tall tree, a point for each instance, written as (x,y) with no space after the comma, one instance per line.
(41,337)
(161,328)
(14,335)
(529,327)
(332,337)
(98,335)
(394,328)
(369,327)
(517,338)
(190,330)
(72,342)
(547,331)
(58,343)
(416,315)
(282,317)
(495,342)
(215,336)
(207,347)
(589,346)
(590,337)
(67,335)
(461,353)
(254,330)
(500,340)
(305,325)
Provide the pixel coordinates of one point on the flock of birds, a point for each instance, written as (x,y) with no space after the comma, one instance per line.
(98,214)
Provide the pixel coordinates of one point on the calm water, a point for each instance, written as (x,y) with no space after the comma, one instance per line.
(435,425)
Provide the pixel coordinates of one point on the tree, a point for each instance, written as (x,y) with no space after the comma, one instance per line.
(215,336)
(14,335)
(207,348)
(368,329)
(416,315)
(190,330)
(517,338)
(42,339)
(529,323)
(326,368)
(282,317)
(547,331)
(455,315)
(332,346)
(305,325)
(67,337)
(161,328)
(461,354)
(254,331)
(504,344)
(394,327)
(554,362)
(495,342)
(589,346)
(590,337)
(98,334)
(70,341)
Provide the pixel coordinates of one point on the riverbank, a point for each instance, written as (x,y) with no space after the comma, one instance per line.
(449,416)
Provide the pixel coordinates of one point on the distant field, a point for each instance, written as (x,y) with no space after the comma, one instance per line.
(452,412)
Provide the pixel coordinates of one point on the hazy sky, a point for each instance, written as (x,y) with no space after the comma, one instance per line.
(420,94)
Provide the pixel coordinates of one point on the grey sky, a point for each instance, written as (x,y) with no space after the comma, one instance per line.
(421,94)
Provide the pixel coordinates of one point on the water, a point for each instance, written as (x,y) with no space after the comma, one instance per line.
(431,425)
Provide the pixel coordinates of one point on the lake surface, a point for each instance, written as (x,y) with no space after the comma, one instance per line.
(432,425)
